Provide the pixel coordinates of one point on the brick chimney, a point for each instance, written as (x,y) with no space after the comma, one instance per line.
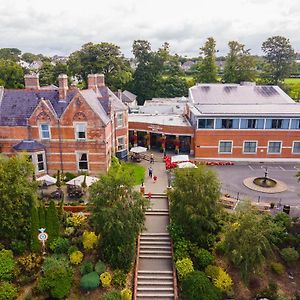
(100,80)
(62,86)
(32,81)
(92,82)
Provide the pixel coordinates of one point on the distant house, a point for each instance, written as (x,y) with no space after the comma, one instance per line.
(187,65)
(127,98)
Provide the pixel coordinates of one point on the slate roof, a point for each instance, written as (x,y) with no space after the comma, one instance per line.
(16,106)
(28,145)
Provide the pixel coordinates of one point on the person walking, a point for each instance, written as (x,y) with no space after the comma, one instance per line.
(151,158)
(154,178)
(149,195)
(150,171)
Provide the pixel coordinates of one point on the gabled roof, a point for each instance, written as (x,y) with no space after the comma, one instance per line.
(16,106)
(29,145)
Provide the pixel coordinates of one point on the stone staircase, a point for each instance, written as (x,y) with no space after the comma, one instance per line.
(154,271)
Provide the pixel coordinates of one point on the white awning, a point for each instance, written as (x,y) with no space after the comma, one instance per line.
(47,179)
(79,180)
(179,158)
(138,149)
(187,164)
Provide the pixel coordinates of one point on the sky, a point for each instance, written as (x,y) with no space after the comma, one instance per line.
(63,26)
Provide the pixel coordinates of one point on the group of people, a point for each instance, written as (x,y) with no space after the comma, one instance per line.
(150,170)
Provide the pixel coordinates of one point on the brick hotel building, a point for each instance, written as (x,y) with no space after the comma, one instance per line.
(222,122)
(64,128)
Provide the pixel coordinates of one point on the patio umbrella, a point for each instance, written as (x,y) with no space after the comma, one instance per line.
(47,179)
(79,180)
(179,158)
(138,149)
(186,165)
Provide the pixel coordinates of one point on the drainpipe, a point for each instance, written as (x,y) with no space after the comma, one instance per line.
(60,147)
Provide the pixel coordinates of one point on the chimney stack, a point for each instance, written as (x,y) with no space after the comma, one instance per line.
(100,80)
(32,81)
(62,86)
(92,82)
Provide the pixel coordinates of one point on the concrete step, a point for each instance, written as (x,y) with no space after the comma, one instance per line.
(147,251)
(149,237)
(156,213)
(150,296)
(156,289)
(156,272)
(155,234)
(164,278)
(151,283)
(155,247)
(155,256)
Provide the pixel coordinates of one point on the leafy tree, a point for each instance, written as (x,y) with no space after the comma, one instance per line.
(34,226)
(105,58)
(12,54)
(46,73)
(7,264)
(197,286)
(173,87)
(11,74)
(203,258)
(30,57)
(239,64)
(118,216)
(290,255)
(247,241)
(193,204)
(18,195)
(8,291)
(279,56)
(207,68)
(52,222)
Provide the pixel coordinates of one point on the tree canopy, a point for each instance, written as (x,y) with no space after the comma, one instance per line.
(11,74)
(239,64)
(117,215)
(193,204)
(12,54)
(279,56)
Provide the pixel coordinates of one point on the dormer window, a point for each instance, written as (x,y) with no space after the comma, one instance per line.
(80,131)
(45,132)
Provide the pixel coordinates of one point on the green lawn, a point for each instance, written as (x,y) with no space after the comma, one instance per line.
(137,170)
(292,81)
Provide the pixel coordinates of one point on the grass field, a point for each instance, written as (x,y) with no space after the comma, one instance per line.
(137,170)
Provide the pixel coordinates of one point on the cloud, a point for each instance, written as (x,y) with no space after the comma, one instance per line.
(61,27)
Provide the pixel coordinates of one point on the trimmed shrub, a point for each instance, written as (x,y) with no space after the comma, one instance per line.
(197,286)
(52,222)
(90,281)
(89,240)
(270,291)
(76,257)
(8,291)
(105,279)
(223,282)
(202,258)
(86,267)
(119,278)
(112,295)
(55,261)
(181,249)
(72,249)
(212,272)
(29,264)
(18,247)
(277,267)
(76,219)
(290,255)
(7,264)
(126,294)
(60,245)
(100,267)
(34,229)
(184,267)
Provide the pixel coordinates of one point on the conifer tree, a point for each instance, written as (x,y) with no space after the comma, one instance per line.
(34,226)
(42,216)
(52,222)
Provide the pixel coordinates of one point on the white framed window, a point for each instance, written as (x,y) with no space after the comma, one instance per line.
(80,131)
(45,131)
(225,147)
(121,143)
(296,147)
(274,147)
(250,147)
(82,160)
(120,120)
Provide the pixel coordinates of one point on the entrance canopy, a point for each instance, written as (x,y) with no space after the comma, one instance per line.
(79,180)
(179,158)
(47,179)
(138,149)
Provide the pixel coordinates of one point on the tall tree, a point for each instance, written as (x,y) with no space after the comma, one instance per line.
(239,64)
(11,74)
(18,195)
(194,206)
(118,216)
(147,74)
(247,241)
(280,56)
(34,226)
(52,222)
(207,68)
(173,87)
(103,58)
(46,73)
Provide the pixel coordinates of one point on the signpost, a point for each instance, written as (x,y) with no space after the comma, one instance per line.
(43,237)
